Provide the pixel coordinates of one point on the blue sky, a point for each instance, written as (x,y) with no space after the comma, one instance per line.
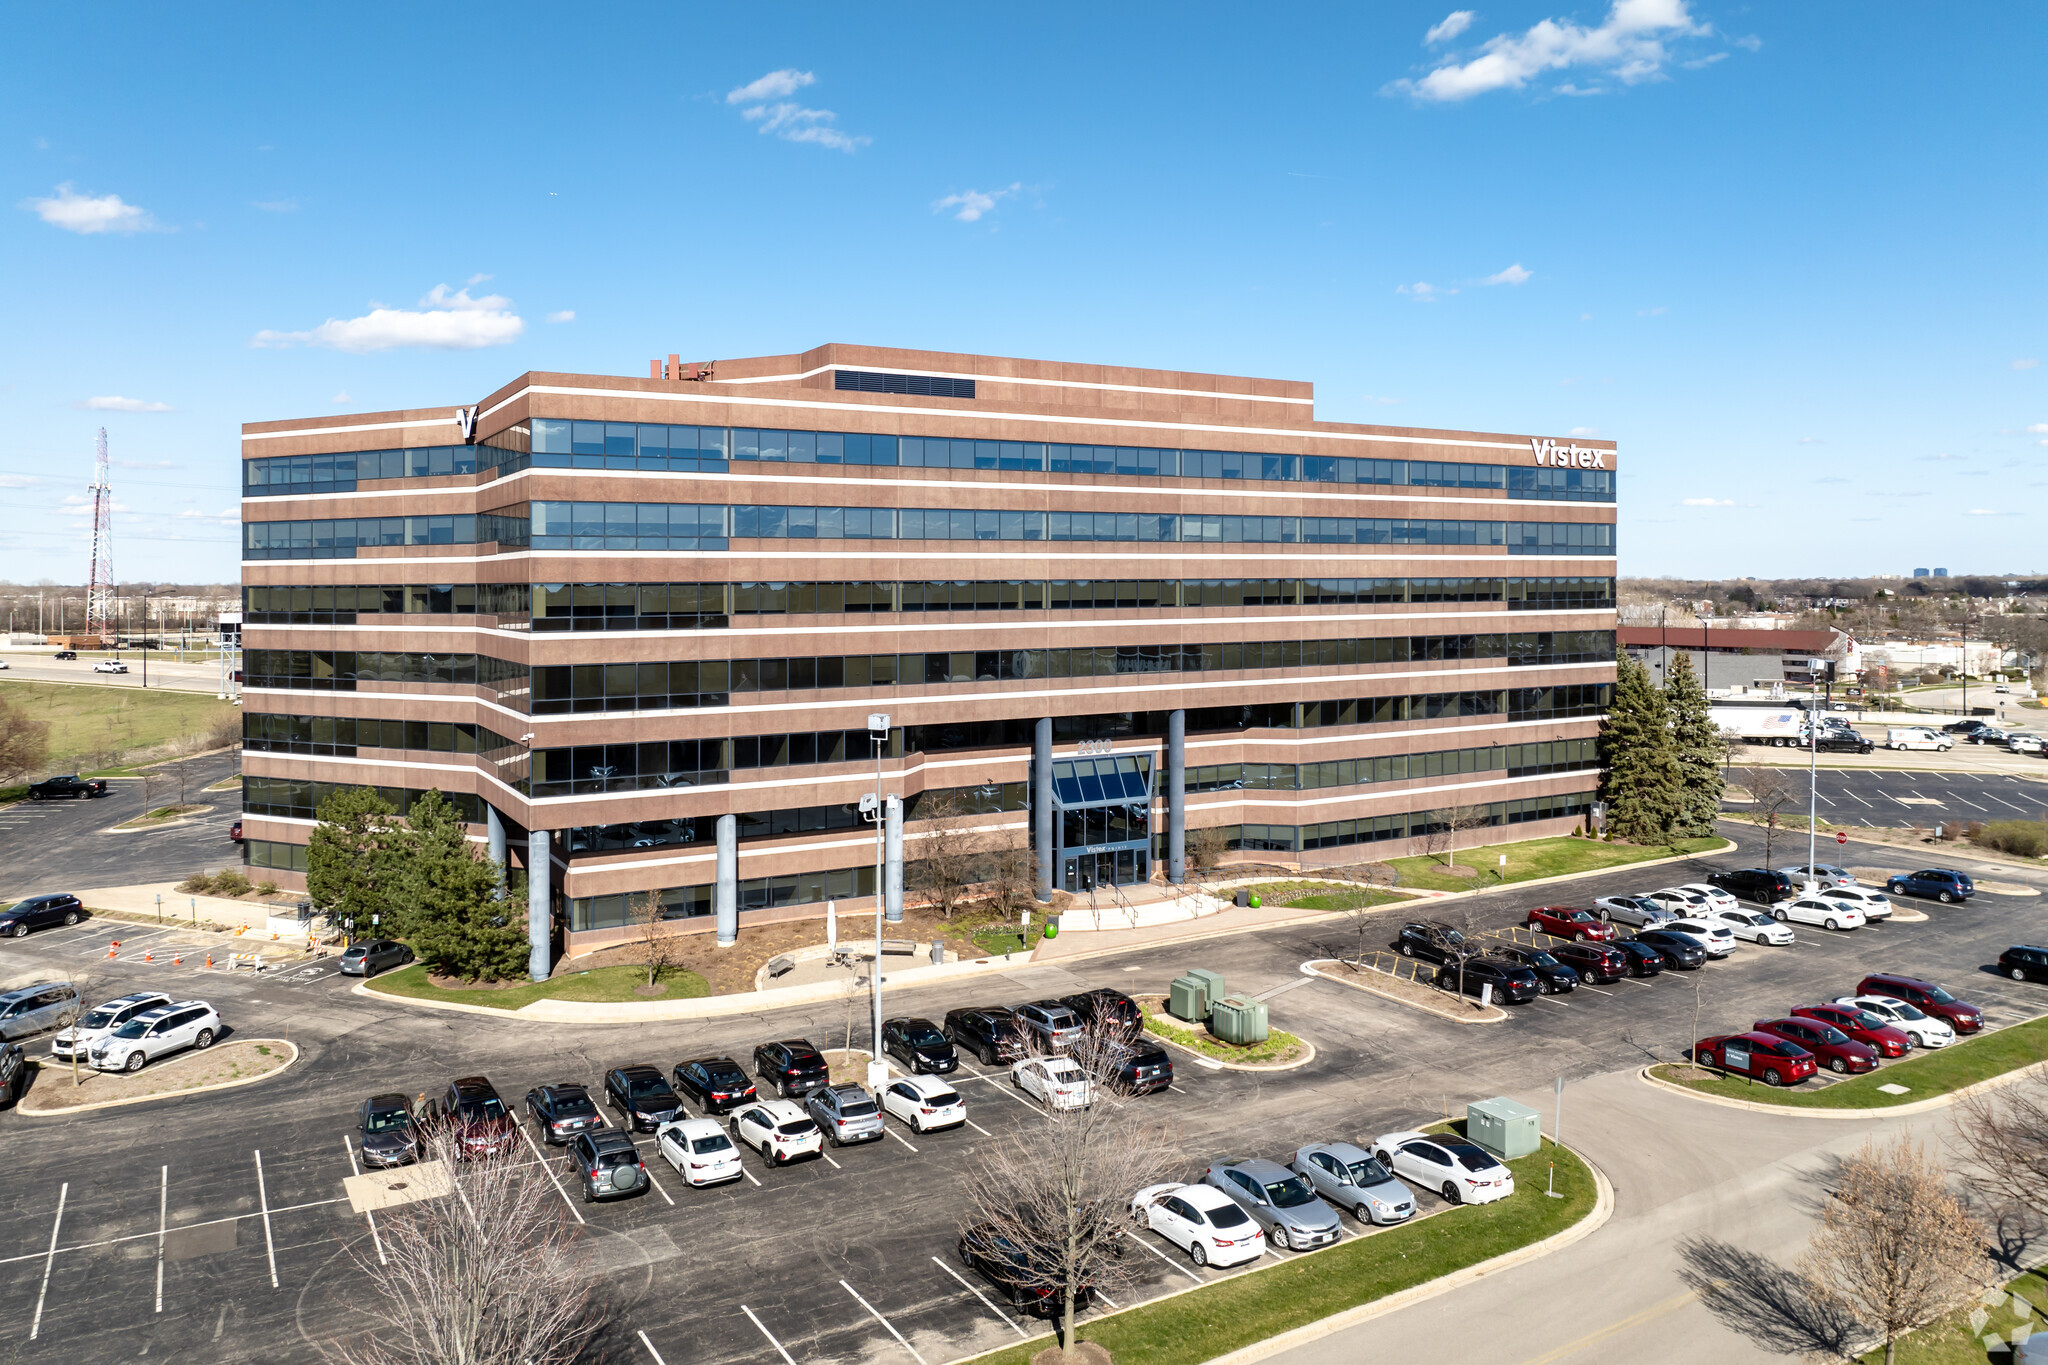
(1791,257)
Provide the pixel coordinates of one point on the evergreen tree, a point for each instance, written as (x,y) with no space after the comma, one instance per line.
(1639,777)
(451,899)
(1697,745)
(353,858)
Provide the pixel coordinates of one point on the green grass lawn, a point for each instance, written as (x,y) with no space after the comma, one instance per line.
(1953,1341)
(997,939)
(87,720)
(1282,1295)
(1312,895)
(609,985)
(1277,1045)
(1534,858)
(1925,1076)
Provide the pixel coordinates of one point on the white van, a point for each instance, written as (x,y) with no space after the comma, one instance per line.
(1918,737)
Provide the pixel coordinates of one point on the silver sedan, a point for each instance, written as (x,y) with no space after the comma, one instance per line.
(1352,1178)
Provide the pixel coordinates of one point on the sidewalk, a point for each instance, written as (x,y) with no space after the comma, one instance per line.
(258,919)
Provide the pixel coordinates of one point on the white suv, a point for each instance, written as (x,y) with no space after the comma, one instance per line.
(101,1020)
(156,1033)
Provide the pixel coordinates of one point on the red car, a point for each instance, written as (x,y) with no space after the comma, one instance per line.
(1599,963)
(1566,922)
(1861,1025)
(1843,1054)
(1759,1056)
(1960,1015)
(235,832)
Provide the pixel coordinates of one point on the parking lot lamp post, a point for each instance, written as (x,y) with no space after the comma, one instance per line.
(1812,784)
(878,1070)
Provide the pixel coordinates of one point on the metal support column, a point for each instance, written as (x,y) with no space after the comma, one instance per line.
(539,882)
(494,825)
(1177,797)
(725,895)
(892,860)
(1041,804)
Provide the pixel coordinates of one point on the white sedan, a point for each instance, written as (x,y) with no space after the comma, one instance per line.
(1201,1220)
(778,1130)
(1829,914)
(924,1102)
(1924,1029)
(1715,896)
(1446,1164)
(1872,903)
(1057,1082)
(1755,926)
(1678,900)
(699,1150)
(1717,938)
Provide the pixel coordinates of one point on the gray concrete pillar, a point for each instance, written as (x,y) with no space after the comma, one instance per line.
(725,895)
(892,859)
(1177,797)
(494,825)
(1041,804)
(540,880)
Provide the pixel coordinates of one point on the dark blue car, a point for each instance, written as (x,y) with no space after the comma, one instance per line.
(1937,883)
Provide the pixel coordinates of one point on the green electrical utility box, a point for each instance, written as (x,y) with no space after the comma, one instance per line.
(1215,979)
(1188,998)
(1240,1021)
(1502,1127)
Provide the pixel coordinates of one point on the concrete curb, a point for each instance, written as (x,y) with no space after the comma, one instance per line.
(190,817)
(1889,1111)
(1727,846)
(69,1110)
(1497,1015)
(1207,1062)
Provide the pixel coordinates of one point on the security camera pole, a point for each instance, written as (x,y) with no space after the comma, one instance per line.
(878,1070)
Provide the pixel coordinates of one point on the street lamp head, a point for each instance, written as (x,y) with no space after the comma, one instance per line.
(878,725)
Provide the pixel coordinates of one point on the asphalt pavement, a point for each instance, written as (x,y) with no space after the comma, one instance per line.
(1903,799)
(69,844)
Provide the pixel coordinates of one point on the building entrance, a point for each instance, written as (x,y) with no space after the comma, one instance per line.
(1102,820)
(1124,867)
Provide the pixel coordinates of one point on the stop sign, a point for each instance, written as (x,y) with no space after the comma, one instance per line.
(1841,838)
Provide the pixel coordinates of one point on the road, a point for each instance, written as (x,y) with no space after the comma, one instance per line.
(64,845)
(1907,798)
(710,1276)
(39,666)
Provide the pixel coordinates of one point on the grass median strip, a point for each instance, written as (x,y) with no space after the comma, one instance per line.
(608,985)
(1279,1046)
(1226,1315)
(1534,858)
(1926,1077)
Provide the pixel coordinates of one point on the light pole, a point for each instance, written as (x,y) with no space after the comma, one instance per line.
(878,1070)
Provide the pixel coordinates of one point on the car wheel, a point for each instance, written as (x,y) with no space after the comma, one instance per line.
(1944,897)
(1579,937)
(35,796)
(1771,1077)
(204,1040)
(1407,950)
(1606,918)
(70,918)
(1198,1253)
(987,1056)
(2017,975)
(1837,1065)
(21,931)
(1834,924)
(588,1197)
(1780,916)
(1451,1195)
(136,1061)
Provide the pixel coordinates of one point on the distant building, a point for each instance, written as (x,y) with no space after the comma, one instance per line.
(1922,573)
(1941,573)
(1736,656)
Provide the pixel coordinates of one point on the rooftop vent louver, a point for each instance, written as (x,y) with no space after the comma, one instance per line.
(922,385)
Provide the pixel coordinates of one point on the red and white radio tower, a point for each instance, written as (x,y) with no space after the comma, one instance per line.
(100,588)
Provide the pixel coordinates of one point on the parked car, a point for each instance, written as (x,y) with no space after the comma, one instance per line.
(1643,960)
(1008,1266)
(926,1103)
(1456,1169)
(1943,884)
(14,1069)
(1680,951)
(607,1165)
(1860,1025)
(643,1099)
(1717,938)
(1056,1082)
(777,1129)
(1552,975)
(1104,1003)
(1049,1025)
(1717,899)
(1432,941)
(1829,913)
(1513,983)
(1830,1046)
(1759,886)
(791,1067)
(156,1033)
(1755,926)
(1278,1200)
(384,1131)
(562,1111)
(1959,1015)
(716,1083)
(67,785)
(40,912)
(1352,1178)
(699,1151)
(2027,744)
(372,956)
(1678,901)
(1924,1029)
(471,1111)
(2023,963)
(1201,1220)
(990,1032)
(918,1044)
(235,832)
(1827,874)
(1634,910)
(101,1020)
(28,1010)
(845,1113)
(110,666)
(1598,963)
(1142,1067)
(1564,921)
(1759,1056)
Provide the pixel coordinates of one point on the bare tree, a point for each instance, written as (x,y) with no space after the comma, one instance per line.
(1205,847)
(1460,820)
(650,923)
(945,853)
(1771,792)
(489,1269)
(24,741)
(1058,1193)
(1894,1247)
(1434,840)
(88,981)
(2005,1134)
(1011,871)
(156,784)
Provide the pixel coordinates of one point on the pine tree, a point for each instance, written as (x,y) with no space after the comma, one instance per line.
(452,900)
(1639,778)
(352,860)
(1697,745)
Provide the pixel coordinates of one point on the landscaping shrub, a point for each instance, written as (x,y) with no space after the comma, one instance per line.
(2025,838)
(266,888)
(198,884)
(231,883)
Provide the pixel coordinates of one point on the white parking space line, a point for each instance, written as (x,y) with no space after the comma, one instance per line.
(983,1297)
(1822,799)
(263,1199)
(899,1137)
(650,1349)
(35,1326)
(163,1204)
(1550,1001)
(1108,1300)
(138,1236)
(1595,989)
(768,1334)
(1973,805)
(1002,1088)
(549,1167)
(658,1189)
(829,1161)
(1145,1243)
(1854,797)
(884,1321)
(375,1240)
(2007,804)
(979,1129)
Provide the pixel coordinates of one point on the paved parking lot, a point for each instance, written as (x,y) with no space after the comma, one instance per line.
(1903,799)
(235,1203)
(64,845)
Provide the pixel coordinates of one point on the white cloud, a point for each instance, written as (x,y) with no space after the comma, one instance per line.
(1698,63)
(1707,502)
(2039,428)
(225,514)
(75,212)
(1944,455)
(1992,512)
(111,403)
(772,86)
(341,398)
(1585,317)
(794,123)
(1514,274)
(972,204)
(143,464)
(1628,45)
(563,315)
(446,320)
(1422,291)
(1832,478)
(18,480)
(2025,364)
(275,205)
(1454,23)
(1584,431)
(1811,441)
(1656,312)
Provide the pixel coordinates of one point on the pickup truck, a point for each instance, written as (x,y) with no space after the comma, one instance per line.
(68,785)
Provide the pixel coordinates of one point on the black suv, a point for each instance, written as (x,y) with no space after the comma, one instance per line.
(1433,942)
(49,789)
(1512,983)
(918,1044)
(1966,727)
(1679,950)
(40,912)
(1104,1003)
(1556,976)
(1756,884)
(716,1083)
(2023,963)
(792,1066)
(642,1097)
(1009,1267)
(561,1112)
(990,1032)
(1143,1068)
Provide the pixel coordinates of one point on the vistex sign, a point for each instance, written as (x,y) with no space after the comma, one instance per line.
(1567,456)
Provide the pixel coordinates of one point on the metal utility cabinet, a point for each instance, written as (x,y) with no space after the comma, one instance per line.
(1188,998)
(1503,1127)
(1238,1020)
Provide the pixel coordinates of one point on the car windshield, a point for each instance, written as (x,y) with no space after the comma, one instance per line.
(1760,919)
(1472,1159)
(1580,917)
(492,1108)
(1865,1019)
(97,1019)
(796,1127)
(624,1157)
(1228,1216)
(856,1109)
(1290,1193)
(1829,1033)
(1538,958)
(717,1142)
(1368,1172)
(575,1105)
(942,1097)
(926,1036)
(387,1121)
(1906,1011)
(653,1087)
(1451,936)
(719,1075)
(1940,996)
(134,1028)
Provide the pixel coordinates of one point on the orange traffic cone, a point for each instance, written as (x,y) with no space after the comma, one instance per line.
(110,950)
(178,961)
(149,956)
(209,959)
